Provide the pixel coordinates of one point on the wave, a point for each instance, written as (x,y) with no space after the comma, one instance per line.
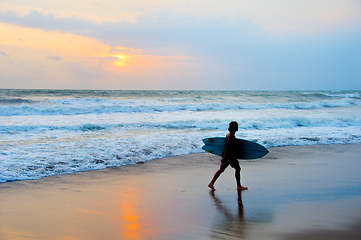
(14,101)
(345,95)
(38,159)
(352,94)
(106,106)
(207,122)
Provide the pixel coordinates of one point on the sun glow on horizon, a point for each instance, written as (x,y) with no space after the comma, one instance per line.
(66,47)
(70,59)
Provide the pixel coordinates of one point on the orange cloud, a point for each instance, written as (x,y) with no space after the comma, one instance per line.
(72,60)
(70,47)
(60,43)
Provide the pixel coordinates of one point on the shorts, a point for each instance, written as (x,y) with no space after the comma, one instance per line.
(230,162)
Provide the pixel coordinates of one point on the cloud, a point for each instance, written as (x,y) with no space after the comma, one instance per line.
(237,51)
(36,19)
(118,49)
(4,54)
(147,32)
(82,71)
(57,58)
(109,59)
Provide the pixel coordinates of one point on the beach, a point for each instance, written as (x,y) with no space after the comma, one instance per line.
(295,192)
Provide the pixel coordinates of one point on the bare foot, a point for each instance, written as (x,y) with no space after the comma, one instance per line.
(242,188)
(211,187)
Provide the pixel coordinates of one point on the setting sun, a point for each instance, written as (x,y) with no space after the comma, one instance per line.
(121,62)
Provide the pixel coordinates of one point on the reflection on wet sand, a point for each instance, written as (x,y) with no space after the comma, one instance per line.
(131,228)
(131,221)
(233,223)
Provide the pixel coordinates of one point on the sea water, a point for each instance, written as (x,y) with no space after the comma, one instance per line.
(50,132)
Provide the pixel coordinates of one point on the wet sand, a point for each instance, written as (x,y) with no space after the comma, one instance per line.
(304,192)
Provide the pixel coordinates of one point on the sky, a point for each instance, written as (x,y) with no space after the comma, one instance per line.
(181,45)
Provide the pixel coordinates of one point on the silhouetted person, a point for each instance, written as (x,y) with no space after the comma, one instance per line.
(229,158)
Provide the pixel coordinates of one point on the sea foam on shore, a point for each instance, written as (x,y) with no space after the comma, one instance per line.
(51,132)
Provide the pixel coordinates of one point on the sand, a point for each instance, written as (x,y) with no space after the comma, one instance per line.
(304,192)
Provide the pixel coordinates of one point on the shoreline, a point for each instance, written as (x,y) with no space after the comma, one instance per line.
(294,192)
(141,162)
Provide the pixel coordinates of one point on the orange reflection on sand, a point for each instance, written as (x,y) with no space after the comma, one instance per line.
(132,226)
(134,221)
(89,211)
(8,233)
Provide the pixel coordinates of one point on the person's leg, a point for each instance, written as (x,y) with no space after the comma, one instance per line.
(216,176)
(237,169)
(238,176)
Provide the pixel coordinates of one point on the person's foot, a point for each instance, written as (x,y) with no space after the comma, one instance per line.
(242,188)
(211,187)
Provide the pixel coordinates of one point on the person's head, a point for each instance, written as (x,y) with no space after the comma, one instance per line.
(233,126)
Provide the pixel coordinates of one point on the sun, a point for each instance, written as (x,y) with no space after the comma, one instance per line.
(121,62)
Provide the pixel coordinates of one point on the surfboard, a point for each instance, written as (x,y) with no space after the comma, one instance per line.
(247,149)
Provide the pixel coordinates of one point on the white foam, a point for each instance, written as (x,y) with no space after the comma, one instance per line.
(48,136)
(103,106)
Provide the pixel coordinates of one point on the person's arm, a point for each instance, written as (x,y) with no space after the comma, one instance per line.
(230,149)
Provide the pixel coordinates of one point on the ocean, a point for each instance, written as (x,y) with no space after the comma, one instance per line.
(51,132)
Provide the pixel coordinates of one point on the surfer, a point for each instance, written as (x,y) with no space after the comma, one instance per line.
(229,158)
